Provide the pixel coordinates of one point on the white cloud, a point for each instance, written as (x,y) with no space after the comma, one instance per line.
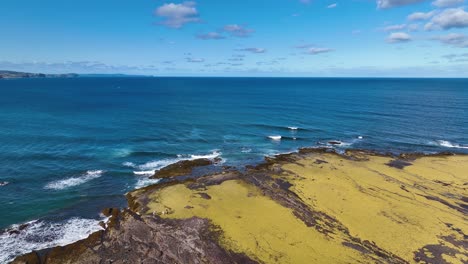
(394,27)
(332,5)
(238,31)
(453,39)
(398,37)
(456,57)
(394,3)
(447,3)
(447,19)
(177,15)
(421,16)
(195,60)
(305,46)
(210,35)
(315,51)
(254,50)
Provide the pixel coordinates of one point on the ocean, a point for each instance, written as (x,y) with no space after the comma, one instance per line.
(70,147)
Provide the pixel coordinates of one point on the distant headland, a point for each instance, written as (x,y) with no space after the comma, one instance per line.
(15,74)
(4,74)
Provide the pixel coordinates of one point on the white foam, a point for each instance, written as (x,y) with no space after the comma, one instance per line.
(143,182)
(360,137)
(293,128)
(148,169)
(129,164)
(159,164)
(144,173)
(246,150)
(276,138)
(338,143)
(4,183)
(41,234)
(74,181)
(448,144)
(213,155)
(345,144)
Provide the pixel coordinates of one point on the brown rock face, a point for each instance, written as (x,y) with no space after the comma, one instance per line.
(181,168)
(142,239)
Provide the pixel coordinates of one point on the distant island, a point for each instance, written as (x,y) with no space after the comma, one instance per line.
(15,74)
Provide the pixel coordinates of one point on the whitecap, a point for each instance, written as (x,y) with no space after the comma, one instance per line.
(4,183)
(293,128)
(360,137)
(276,138)
(39,235)
(338,143)
(213,155)
(74,181)
(448,144)
(246,150)
(144,173)
(129,164)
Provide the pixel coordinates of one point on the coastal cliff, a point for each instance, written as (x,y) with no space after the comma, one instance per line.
(312,206)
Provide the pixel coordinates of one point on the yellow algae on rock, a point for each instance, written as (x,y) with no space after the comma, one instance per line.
(252,223)
(415,211)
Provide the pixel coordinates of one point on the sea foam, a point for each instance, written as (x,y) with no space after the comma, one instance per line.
(39,234)
(276,138)
(448,144)
(74,181)
(148,169)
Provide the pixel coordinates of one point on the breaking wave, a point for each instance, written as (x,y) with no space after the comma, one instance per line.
(448,144)
(39,234)
(74,181)
(148,169)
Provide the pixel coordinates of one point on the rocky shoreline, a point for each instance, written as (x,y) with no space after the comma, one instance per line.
(313,205)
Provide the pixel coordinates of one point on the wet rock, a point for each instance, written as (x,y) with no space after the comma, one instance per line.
(181,168)
(145,239)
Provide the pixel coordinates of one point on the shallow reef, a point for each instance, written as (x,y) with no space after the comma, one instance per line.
(312,206)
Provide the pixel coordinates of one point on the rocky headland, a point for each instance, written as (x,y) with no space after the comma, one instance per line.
(15,74)
(312,206)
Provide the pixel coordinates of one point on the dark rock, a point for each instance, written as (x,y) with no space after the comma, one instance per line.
(205,196)
(319,161)
(181,168)
(110,212)
(399,164)
(143,239)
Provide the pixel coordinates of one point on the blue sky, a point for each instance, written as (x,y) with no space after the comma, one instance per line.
(237,38)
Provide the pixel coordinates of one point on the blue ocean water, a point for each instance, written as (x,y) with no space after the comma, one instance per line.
(70,147)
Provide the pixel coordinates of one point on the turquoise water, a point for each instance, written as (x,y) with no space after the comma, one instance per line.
(70,147)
